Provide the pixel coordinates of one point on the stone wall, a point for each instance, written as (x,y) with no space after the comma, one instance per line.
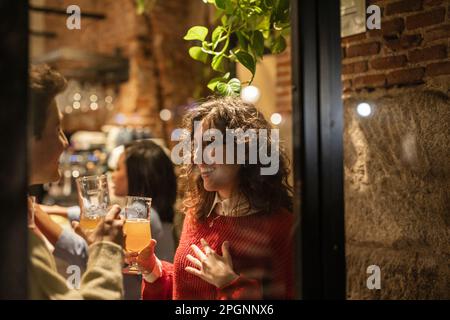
(397,168)
(397,182)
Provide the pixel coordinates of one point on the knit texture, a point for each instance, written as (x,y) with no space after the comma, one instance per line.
(102,279)
(261,247)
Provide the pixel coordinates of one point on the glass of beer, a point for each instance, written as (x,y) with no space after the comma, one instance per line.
(137,226)
(93,195)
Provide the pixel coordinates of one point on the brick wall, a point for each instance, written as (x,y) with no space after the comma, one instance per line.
(397,212)
(162,75)
(411,48)
(283,99)
(284,81)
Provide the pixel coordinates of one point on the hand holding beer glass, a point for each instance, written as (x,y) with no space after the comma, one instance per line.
(137,226)
(94,201)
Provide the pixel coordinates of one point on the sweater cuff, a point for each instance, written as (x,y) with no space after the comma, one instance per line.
(72,244)
(107,250)
(232,284)
(240,288)
(155,274)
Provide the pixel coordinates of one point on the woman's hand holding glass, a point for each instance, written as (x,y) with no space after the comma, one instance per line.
(146,259)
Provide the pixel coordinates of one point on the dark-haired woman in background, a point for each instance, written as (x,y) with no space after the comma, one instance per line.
(144,170)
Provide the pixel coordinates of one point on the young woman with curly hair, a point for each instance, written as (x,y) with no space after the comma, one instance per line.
(237,237)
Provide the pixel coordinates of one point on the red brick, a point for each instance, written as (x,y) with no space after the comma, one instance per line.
(441,32)
(284,56)
(403,42)
(425,19)
(283,91)
(432,3)
(388,28)
(430,53)
(286,72)
(365,49)
(356,37)
(355,67)
(406,76)
(388,62)
(437,69)
(403,6)
(393,26)
(347,84)
(284,83)
(378,2)
(370,82)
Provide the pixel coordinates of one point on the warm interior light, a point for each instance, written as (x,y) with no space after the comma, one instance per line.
(250,94)
(276,118)
(364,109)
(165,114)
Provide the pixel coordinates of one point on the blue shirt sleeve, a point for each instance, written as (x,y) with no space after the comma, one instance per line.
(72,248)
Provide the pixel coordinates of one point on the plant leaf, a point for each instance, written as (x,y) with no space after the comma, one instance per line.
(258,43)
(212,84)
(281,12)
(197,53)
(223,89)
(278,45)
(243,42)
(221,4)
(140,6)
(218,63)
(217,33)
(264,24)
(196,33)
(235,85)
(247,61)
(232,87)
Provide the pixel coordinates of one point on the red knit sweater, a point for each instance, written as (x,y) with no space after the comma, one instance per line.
(261,248)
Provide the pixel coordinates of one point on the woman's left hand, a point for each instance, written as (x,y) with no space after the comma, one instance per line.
(209,266)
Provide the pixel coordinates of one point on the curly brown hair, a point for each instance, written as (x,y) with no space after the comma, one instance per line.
(263,192)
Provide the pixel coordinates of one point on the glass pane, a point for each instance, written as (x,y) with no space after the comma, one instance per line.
(131,86)
(396,140)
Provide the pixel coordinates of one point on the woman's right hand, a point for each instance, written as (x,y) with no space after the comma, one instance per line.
(146,259)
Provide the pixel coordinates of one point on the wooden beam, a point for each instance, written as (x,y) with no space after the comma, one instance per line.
(63,12)
(43,34)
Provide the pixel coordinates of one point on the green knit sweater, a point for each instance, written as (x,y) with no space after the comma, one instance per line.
(102,279)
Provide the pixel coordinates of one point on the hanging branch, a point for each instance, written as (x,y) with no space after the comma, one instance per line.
(245,28)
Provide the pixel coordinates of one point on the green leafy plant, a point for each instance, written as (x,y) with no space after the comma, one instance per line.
(244,29)
(143,6)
